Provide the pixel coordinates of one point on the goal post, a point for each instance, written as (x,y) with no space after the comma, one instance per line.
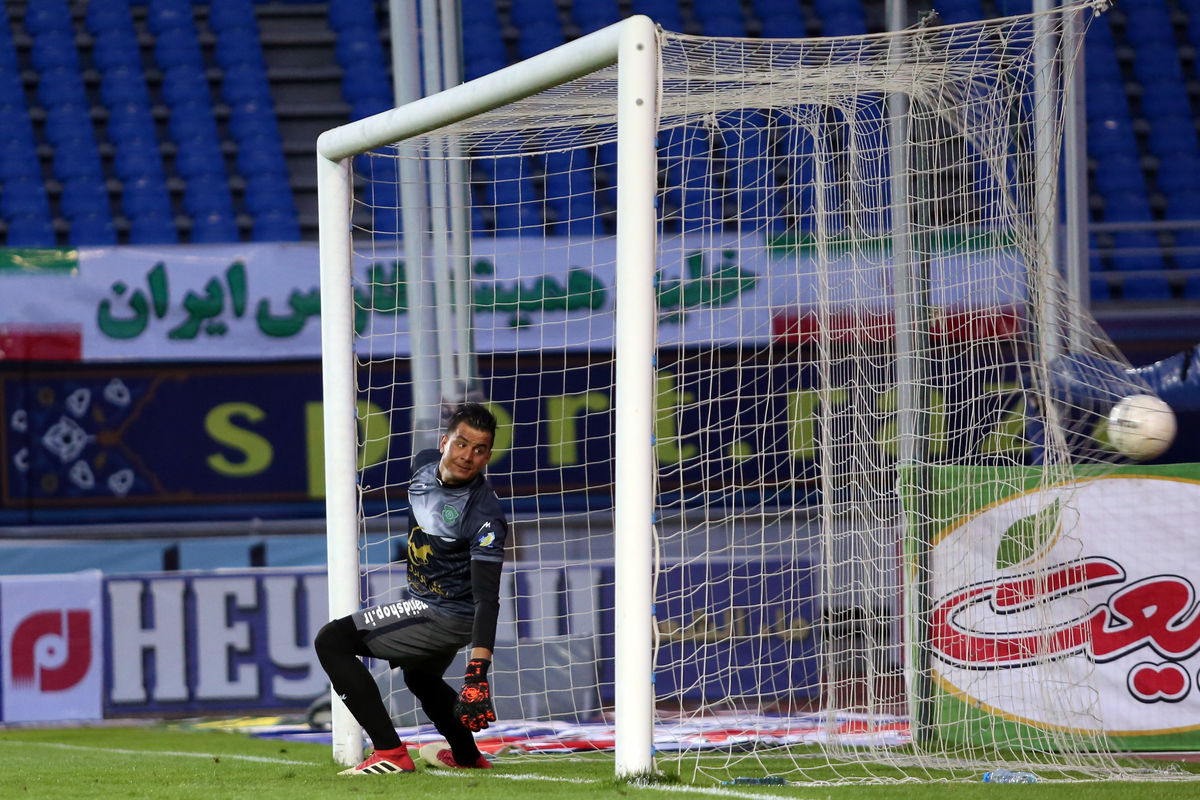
(802,478)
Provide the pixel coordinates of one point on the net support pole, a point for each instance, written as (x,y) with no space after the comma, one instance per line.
(1075,180)
(1045,167)
(637,87)
(340,426)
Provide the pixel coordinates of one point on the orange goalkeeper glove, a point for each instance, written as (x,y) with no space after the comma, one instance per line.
(474,705)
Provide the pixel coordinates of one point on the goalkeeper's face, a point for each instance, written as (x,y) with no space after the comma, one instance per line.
(465,452)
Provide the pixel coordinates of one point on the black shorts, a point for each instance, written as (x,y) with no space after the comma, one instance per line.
(410,634)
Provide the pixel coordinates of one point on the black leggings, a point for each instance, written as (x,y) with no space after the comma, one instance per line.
(338,645)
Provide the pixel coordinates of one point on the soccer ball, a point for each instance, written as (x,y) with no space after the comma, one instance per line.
(1141,426)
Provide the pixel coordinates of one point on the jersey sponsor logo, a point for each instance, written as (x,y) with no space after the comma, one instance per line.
(419,553)
(486,538)
(406,608)
(450,515)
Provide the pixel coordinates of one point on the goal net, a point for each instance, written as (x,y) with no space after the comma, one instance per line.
(815,333)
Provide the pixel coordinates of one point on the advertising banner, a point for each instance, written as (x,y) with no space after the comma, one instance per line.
(53,635)
(1087,589)
(262,301)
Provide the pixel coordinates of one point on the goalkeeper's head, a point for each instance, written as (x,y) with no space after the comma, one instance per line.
(467,443)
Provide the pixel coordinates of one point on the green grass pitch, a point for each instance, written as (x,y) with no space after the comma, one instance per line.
(168,762)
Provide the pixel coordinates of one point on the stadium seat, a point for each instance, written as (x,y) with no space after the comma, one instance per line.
(1098,289)
(103,17)
(12,88)
(214,226)
(61,87)
(538,37)
(847,24)
(275,226)
(245,83)
(1106,100)
(480,12)
(486,43)
(184,84)
(192,120)
(47,16)
(267,193)
(360,44)
(238,46)
(207,193)
(1127,207)
(66,123)
(363,82)
(251,119)
(533,12)
(956,11)
(593,15)
(1136,251)
(117,49)
(157,227)
(777,8)
(1157,64)
(1188,240)
(95,230)
(1145,288)
(199,155)
(350,13)
(78,158)
(478,67)
(24,196)
(262,155)
(787,26)
(18,159)
(725,25)
(130,121)
(83,196)
(31,230)
(1149,27)
(1119,173)
(1178,172)
(163,15)
(664,12)
(1184,204)
(1110,137)
(231,15)
(54,50)
(178,47)
(120,85)
(1172,136)
(136,158)
(1163,99)
(145,196)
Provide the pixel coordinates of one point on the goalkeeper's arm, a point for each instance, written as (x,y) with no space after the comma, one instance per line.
(474,705)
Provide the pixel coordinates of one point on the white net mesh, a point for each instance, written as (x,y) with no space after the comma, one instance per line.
(878,412)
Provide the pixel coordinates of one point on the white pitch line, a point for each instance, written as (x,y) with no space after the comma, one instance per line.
(525,776)
(122,751)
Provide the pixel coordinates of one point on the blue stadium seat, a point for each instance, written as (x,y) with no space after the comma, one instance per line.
(214,226)
(31,230)
(1184,204)
(68,123)
(1172,136)
(130,121)
(245,83)
(514,197)
(1127,207)
(155,227)
(95,230)
(238,46)
(1163,99)
(480,12)
(1150,27)
(593,15)
(15,127)
(12,89)
(24,196)
(275,226)
(685,155)
(84,195)
(183,84)
(850,23)
(726,25)
(1189,239)
(199,155)
(1145,288)
(1136,251)
(1157,64)
(486,44)
(251,119)
(78,158)
(145,196)
(362,44)
(538,37)
(207,193)
(664,12)
(533,12)
(115,49)
(349,13)
(1178,172)
(178,47)
(362,82)
(54,50)
(48,16)
(18,159)
(137,158)
(1106,100)
(570,193)
(1119,173)
(266,193)
(1110,137)
(231,15)
(192,120)
(61,87)
(787,26)
(120,85)
(103,17)
(956,11)
(1098,289)
(478,67)
(163,15)
(1102,65)
(262,155)
(777,8)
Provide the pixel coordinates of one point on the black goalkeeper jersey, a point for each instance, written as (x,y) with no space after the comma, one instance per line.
(448,526)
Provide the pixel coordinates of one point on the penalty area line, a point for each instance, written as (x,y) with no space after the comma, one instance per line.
(526,776)
(182,753)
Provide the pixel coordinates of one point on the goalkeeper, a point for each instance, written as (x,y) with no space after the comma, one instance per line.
(457,532)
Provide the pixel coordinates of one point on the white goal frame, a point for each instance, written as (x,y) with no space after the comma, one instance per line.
(632,46)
